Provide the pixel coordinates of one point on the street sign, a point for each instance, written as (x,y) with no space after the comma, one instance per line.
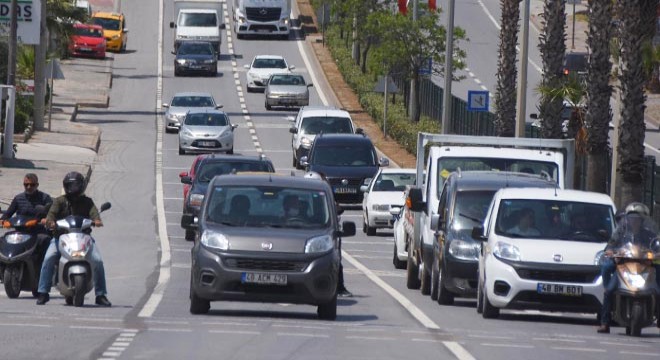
(28,19)
(477,100)
(426,68)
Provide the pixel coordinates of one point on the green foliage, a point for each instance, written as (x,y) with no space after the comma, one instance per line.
(62,14)
(23,113)
(25,62)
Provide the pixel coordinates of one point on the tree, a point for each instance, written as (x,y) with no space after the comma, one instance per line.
(507,72)
(599,92)
(632,127)
(61,16)
(552,44)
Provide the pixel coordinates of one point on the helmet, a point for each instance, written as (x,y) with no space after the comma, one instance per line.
(74,184)
(637,208)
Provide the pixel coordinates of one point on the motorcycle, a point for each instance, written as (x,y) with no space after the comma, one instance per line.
(636,298)
(75,270)
(21,254)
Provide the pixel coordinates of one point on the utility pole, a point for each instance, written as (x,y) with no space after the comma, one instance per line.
(522,81)
(449,69)
(40,51)
(13,43)
(412,101)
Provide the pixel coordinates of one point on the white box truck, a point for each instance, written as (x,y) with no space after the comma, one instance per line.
(439,155)
(198,20)
(262,17)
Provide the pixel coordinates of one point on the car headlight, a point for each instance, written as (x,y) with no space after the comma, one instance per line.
(187,133)
(225,134)
(73,245)
(506,251)
(242,20)
(196,200)
(305,142)
(210,61)
(379,207)
(600,256)
(181,61)
(214,240)
(16,238)
(636,280)
(464,250)
(319,244)
(285,21)
(115,37)
(253,76)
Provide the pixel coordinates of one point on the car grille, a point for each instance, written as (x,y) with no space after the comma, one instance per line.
(263,14)
(558,276)
(265,265)
(270,28)
(351,182)
(196,143)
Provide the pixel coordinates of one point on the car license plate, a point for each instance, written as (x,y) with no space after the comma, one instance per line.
(206,143)
(85,49)
(195,67)
(558,289)
(263,278)
(345,190)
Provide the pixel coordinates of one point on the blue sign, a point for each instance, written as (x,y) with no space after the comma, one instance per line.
(477,100)
(426,68)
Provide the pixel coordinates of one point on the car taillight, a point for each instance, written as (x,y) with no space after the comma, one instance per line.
(565,71)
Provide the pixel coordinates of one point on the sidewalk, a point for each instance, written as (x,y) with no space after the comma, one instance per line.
(68,146)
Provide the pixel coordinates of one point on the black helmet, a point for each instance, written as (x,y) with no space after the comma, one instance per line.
(74,184)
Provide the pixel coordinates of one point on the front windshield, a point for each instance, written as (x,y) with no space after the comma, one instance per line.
(269,64)
(90,32)
(195,49)
(215,168)
(107,24)
(344,155)
(470,209)
(268,206)
(447,165)
(393,182)
(204,119)
(555,220)
(315,125)
(192,101)
(287,80)
(198,19)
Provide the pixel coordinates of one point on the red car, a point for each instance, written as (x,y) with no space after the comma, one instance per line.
(87,40)
(193,170)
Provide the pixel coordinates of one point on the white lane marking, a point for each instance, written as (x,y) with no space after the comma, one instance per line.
(578,349)
(491,337)
(458,350)
(167,322)
(226,323)
(562,340)
(622,344)
(371,257)
(111,354)
(508,345)
(94,327)
(31,325)
(652,148)
(485,89)
(170,330)
(299,327)
(121,343)
(655,355)
(376,338)
(407,304)
(236,332)
(304,335)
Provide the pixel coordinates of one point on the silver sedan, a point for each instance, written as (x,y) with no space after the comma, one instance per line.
(183,102)
(206,131)
(287,90)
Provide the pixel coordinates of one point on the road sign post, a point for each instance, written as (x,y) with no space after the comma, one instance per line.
(478,100)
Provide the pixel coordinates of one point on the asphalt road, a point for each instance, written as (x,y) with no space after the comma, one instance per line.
(148,261)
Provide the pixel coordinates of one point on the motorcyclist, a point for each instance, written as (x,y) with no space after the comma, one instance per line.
(73,202)
(635,226)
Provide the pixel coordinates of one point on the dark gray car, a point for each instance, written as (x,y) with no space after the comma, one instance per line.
(267,238)
(195,57)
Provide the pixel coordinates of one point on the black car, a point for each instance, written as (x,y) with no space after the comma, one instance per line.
(346,160)
(576,64)
(195,57)
(464,201)
(267,238)
(211,166)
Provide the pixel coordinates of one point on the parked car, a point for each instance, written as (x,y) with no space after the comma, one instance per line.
(206,131)
(114,29)
(195,57)
(191,174)
(262,67)
(313,120)
(381,195)
(542,250)
(87,40)
(346,160)
(464,201)
(287,90)
(252,248)
(206,167)
(181,103)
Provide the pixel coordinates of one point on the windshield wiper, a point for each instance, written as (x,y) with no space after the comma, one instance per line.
(478,221)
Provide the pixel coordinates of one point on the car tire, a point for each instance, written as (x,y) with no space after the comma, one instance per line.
(190,235)
(230,151)
(294,162)
(240,36)
(197,304)
(177,72)
(435,279)
(268,107)
(371,231)
(412,273)
(488,310)
(249,89)
(425,279)
(181,151)
(445,297)
(480,299)
(328,311)
(398,264)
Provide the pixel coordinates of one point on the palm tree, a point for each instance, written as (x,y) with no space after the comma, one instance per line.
(599,91)
(552,44)
(507,71)
(632,128)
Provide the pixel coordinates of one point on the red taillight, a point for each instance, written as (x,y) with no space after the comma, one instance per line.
(565,71)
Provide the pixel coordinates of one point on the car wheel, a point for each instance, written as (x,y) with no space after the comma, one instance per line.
(177,72)
(412,273)
(268,107)
(240,36)
(190,235)
(328,311)
(425,279)
(488,310)
(230,151)
(294,162)
(435,279)
(480,299)
(181,151)
(249,89)
(197,304)
(398,264)
(445,297)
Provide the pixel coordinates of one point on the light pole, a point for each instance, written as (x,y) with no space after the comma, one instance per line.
(13,43)
(522,81)
(449,68)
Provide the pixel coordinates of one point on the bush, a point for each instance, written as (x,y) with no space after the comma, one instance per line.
(23,113)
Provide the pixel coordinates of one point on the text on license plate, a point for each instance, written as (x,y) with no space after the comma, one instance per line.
(263,278)
(344,190)
(206,143)
(558,289)
(85,49)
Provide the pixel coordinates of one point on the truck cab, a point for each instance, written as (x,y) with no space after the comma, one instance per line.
(262,17)
(198,20)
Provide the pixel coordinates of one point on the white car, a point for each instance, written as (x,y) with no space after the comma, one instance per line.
(401,220)
(542,250)
(206,131)
(384,192)
(262,67)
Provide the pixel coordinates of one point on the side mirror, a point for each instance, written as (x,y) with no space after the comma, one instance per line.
(395,210)
(222,26)
(182,174)
(165,105)
(304,161)
(534,116)
(310,85)
(246,66)
(347,229)
(293,130)
(359,131)
(125,30)
(172,25)
(435,221)
(414,200)
(105,206)
(478,233)
(233,127)
(384,162)
(292,67)
(186,180)
(219,106)
(188,221)
(364,188)
(173,52)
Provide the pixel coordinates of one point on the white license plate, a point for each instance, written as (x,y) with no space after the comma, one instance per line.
(85,49)
(206,143)
(558,289)
(263,278)
(343,190)
(195,66)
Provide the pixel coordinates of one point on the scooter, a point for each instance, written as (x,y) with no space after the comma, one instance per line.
(75,270)
(635,299)
(21,254)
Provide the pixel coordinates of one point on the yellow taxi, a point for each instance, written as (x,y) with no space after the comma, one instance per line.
(114,29)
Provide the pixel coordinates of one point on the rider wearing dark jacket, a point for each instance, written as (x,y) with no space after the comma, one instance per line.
(26,202)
